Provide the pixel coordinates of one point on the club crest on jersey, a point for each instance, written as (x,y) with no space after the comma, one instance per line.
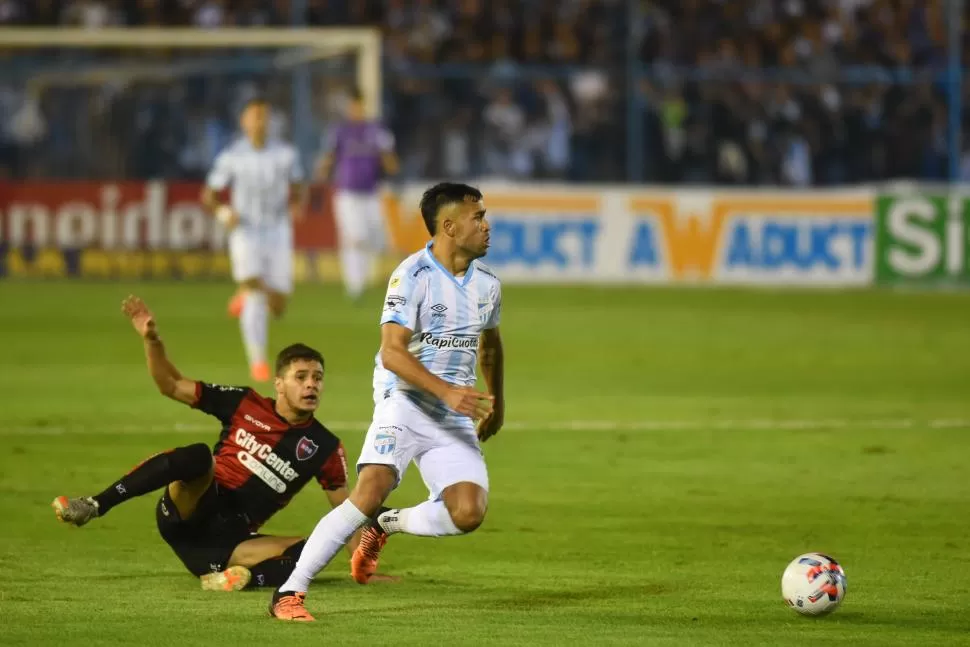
(385,441)
(394,303)
(484,309)
(305,449)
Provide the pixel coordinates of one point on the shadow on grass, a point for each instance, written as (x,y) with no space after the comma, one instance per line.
(529,600)
(954,621)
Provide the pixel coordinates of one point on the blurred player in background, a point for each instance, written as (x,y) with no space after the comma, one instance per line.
(440,318)
(361,150)
(267,194)
(215,501)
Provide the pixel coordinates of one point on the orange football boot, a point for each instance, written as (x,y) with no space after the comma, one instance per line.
(288,605)
(234,578)
(363,563)
(236,305)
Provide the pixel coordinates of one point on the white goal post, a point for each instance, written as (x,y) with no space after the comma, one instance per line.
(315,43)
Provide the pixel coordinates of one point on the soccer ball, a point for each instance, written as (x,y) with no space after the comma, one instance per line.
(813,584)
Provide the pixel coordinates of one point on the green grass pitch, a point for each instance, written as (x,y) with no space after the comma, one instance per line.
(667,453)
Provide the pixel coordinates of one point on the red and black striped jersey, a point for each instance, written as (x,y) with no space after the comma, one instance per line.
(262,461)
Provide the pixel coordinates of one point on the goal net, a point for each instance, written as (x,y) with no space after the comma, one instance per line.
(110,133)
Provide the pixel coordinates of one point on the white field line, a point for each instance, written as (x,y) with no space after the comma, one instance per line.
(739,424)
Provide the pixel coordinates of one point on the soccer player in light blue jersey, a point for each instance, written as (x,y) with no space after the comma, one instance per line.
(267,193)
(440,320)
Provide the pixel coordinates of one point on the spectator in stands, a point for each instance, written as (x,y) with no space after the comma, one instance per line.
(737,92)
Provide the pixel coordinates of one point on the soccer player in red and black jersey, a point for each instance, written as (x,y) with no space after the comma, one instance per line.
(214,502)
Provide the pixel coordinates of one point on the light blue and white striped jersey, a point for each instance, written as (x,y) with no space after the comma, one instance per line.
(260,179)
(446,315)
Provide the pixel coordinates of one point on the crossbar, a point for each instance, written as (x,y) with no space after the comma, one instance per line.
(366,41)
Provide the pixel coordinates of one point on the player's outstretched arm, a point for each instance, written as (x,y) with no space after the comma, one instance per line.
(168,379)
(491,361)
(396,358)
(299,200)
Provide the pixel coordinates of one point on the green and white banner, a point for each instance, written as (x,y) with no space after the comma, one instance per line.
(922,239)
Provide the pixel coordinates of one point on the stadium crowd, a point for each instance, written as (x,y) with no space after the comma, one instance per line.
(538,89)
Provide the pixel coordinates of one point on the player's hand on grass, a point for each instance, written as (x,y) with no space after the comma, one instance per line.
(469,401)
(490,424)
(141,317)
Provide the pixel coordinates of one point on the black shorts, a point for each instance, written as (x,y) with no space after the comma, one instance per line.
(205,541)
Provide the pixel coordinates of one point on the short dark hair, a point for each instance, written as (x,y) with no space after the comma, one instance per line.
(443,194)
(355,93)
(295,352)
(255,101)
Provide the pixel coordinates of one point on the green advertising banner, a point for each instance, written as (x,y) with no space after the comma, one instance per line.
(922,239)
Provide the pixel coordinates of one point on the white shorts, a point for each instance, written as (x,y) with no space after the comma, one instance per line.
(263,252)
(444,453)
(360,220)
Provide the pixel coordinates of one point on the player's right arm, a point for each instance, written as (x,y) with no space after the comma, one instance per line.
(218,179)
(389,162)
(168,379)
(398,322)
(325,164)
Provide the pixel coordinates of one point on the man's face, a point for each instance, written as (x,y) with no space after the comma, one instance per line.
(470,227)
(300,385)
(355,110)
(255,121)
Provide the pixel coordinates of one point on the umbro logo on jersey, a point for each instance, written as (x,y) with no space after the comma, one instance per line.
(439,308)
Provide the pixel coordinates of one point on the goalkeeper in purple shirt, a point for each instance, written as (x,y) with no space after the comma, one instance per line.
(360,153)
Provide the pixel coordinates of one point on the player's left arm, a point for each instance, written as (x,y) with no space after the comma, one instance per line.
(217,181)
(324,166)
(491,362)
(389,161)
(325,163)
(299,190)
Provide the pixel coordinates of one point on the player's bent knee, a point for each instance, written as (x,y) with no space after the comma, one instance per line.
(277,304)
(252,284)
(466,504)
(192,464)
(257,550)
(468,519)
(192,469)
